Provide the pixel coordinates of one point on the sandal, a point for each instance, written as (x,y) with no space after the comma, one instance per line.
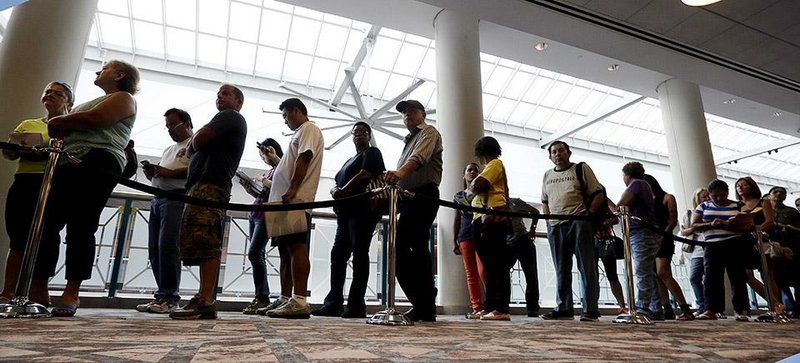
(707,315)
(64,311)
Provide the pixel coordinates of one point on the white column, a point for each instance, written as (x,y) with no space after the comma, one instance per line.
(460,120)
(45,40)
(690,156)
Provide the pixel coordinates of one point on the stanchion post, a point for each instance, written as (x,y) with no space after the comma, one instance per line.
(20,306)
(632,317)
(772,316)
(390,316)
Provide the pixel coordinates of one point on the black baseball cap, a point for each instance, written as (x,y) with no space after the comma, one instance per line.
(409,104)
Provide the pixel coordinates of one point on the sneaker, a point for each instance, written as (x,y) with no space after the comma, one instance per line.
(293,309)
(555,315)
(496,315)
(142,308)
(475,315)
(163,307)
(354,313)
(656,315)
(669,313)
(533,313)
(707,315)
(272,306)
(195,309)
(254,305)
(327,310)
(590,316)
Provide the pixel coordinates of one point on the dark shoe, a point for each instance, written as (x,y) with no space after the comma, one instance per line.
(669,314)
(590,316)
(195,309)
(533,313)
(327,310)
(64,311)
(413,315)
(272,306)
(557,315)
(253,306)
(354,314)
(655,315)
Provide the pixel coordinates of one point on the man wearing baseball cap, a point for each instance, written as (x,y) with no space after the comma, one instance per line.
(419,170)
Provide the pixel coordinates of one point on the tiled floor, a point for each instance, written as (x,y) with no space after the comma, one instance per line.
(103,335)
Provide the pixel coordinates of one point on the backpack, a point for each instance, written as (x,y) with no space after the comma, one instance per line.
(604,209)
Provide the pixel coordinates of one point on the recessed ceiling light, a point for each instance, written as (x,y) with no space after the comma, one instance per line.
(540,46)
(613,67)
(777,114)
(698,2)
(729,101)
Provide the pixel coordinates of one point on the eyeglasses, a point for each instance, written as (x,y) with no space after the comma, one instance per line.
(356,132)
(173,127)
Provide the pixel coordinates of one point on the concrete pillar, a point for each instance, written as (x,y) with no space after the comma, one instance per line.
(459,113)
(45,40)
(690,156)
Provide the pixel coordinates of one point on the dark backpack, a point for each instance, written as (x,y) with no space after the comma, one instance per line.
(604,210)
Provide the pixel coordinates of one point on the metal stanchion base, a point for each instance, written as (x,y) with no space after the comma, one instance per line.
(389,317)
(633,318)
(772,317)
(23,308)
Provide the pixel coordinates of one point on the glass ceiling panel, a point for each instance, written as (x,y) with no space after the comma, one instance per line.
(274,28)
(181,13)
(321,45)
(214,17)
(247,20)
(149,10)
(303,37)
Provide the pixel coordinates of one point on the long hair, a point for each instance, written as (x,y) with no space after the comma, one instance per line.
(696,197)
(755,191)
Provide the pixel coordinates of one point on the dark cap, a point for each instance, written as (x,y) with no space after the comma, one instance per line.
(408,105)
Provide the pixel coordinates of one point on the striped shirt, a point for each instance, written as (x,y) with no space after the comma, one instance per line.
(709,211)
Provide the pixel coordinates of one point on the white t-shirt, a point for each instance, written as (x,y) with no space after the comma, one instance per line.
(306,137)
(174,157)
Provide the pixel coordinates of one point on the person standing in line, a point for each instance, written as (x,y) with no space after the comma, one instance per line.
(564,193)
(23,195)
(165,214)
(214,152)
(666,216)
(419,170)
(355,225)
(522,248)
(296,179)
(271,153)
(787,232)
(465,246)
(97,133)
(695,253)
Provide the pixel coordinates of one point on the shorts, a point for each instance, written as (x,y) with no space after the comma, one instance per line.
(288,239)
(667,248)
(202,228)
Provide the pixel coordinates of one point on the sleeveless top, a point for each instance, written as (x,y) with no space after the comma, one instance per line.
(110,138)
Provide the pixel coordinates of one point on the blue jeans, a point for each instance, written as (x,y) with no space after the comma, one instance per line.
(696,271)
(257,256)
(162,247)
(644,245)
(568,239)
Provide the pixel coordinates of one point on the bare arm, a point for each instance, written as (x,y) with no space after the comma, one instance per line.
(300,170)
(116,107)
(392,177)
(479,185)
(672,207)
(626,199)
(769,216)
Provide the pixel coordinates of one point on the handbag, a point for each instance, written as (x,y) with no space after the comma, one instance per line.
(779,253)
(608,245)
(379,202)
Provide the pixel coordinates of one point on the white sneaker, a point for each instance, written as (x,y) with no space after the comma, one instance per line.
(162,307)
(496,315)
(293,309)
(272,306)
(142,308)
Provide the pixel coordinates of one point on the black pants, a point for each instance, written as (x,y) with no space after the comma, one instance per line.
(21,201)
(78,196)
(728,255)
(353,237)
(414,263)
(495,254)
(524,251)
